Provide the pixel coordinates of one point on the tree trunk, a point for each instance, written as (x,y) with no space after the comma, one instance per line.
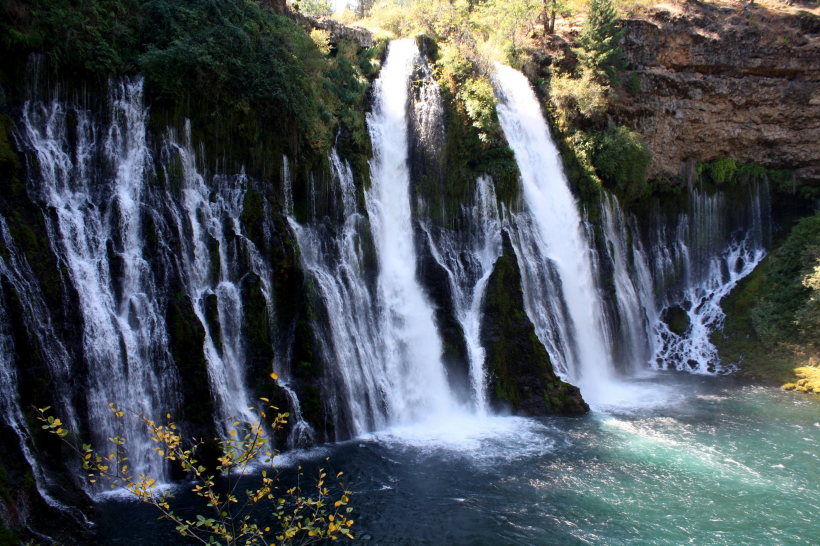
(552,19)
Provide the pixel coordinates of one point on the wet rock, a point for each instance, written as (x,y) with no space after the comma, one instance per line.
(521,378)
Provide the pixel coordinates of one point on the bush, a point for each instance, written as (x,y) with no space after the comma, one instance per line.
(582,97)
(789,311)
(479,103)
(721,171)
(622,159)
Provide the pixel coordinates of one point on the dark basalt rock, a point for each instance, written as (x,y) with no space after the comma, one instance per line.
(521,378)
(676,319)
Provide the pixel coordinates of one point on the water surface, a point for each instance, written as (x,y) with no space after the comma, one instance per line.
(681,459)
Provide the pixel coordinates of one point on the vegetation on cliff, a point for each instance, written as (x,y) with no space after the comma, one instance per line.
(235,68)
(773,315)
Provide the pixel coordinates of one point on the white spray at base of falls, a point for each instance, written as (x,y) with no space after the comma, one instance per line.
(415,374)
(560,235)
(468,256)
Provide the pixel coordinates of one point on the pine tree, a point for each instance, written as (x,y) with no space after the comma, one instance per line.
(600,39)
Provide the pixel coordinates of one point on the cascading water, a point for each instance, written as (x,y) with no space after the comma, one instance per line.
(560,238)
(214,219)
(10,409)
(334,261)
(416,381)
(696,263)
(468,256)
(632,280)
(95,227)
(382,339)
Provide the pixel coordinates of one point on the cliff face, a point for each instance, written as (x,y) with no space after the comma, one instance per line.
(725,82)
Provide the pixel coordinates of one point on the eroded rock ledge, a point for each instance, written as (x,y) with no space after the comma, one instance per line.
(725,82)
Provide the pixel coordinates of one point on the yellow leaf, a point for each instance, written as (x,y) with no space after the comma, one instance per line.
(274,376)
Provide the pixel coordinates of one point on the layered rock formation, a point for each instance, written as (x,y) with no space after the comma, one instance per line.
(730,82)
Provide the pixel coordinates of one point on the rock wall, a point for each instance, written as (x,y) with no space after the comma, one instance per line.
(720,81)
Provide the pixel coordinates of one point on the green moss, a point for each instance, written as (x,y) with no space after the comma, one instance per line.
(521,377)
(253,218)
(211,305)
(676,319)
(256,320)
(763,330)
(187,339)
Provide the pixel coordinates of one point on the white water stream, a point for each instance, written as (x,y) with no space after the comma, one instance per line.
(560,238)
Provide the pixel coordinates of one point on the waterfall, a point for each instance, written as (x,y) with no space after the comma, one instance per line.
(553,212)
(696,260)
(632,280)
(417,385)
(334,262)
(210,265)
(10,409)
(468,256)
(380,334)
(95,229)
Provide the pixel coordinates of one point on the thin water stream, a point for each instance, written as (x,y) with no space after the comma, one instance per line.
(699,460)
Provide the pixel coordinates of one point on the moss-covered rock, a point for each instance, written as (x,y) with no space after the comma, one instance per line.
(455,357)
(521,377)
(187,340)
(676,319)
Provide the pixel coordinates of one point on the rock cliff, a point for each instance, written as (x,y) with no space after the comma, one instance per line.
(725,82)
(716,80)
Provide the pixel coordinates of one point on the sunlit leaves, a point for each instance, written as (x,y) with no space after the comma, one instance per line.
(303,519)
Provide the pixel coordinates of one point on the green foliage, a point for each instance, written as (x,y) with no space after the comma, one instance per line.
(316,8)
(235,68)
(788,311)
(622,158)
(599,41)
(721,171)
(479,103)
(577,99)
(676,319)
(772,316)
(303,518)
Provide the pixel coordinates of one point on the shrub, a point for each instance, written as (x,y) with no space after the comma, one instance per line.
(303,518)
(622,159)
(789,311)
(721,171)
(479,103)
(577,97)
